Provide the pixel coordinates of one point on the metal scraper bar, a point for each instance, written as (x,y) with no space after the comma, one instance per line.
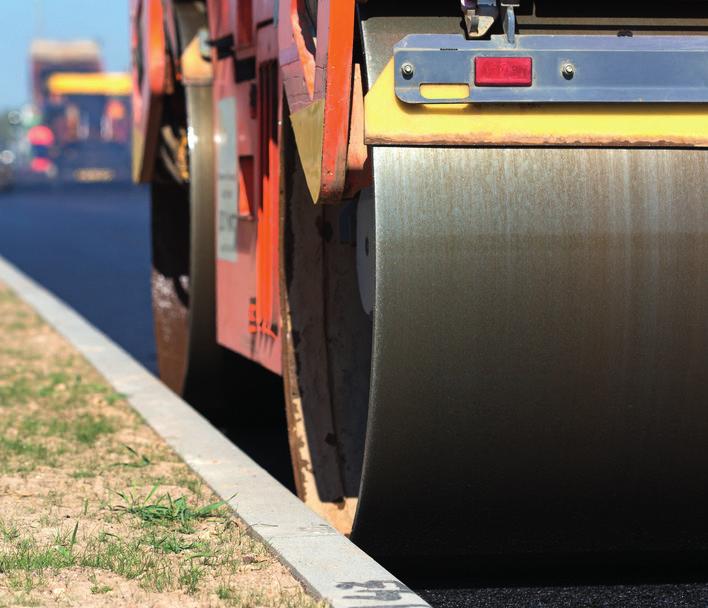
(565,69)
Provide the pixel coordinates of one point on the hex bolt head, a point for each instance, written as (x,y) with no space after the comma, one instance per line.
(407,70)
(568,71)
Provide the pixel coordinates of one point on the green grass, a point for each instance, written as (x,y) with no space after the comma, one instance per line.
(22,355)
(125,558)
(23,583)
(148,559)
(235,597)
(88,428)
(8,531)
(18,391)
(54,498)
(57,389)
(164,509)
(27,449)
(138,461)
(172,543)
(42,406)
(51,382)
(96,587)
(189,576)
(27,556)
(249,599)
(23,456)
(193,484)
(84,428)
(21,320)
(129,559)
(30,426)
(83,474)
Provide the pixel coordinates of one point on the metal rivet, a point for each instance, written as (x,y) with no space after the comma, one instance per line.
(407,70)
(568,71)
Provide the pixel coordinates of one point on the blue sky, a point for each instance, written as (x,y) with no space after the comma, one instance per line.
(105,21)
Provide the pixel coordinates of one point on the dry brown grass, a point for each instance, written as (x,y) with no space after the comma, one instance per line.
(95,509)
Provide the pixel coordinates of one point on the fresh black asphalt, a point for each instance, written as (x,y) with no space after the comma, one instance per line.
(91,247)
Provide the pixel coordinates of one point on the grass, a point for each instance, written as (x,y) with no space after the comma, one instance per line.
(18,447)
(189,576)
(171,543)
(84,428)
(163,509)
(17,391)
(138,461)
(89,493)
(27,556)
(8,530)
(193,484)
(59,388)
(83,474)
(87,428)
(237,597)
(113,555)
(128,558)
(45,412)
(98,588)
(17,455)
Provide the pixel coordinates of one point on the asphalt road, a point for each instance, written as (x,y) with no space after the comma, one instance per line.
(661,584)
(571,596)
(90,246)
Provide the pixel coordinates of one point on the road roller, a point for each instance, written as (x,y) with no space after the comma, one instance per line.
(472,239)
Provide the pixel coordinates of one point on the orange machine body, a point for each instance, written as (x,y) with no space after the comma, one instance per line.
(262,53)
(149,82)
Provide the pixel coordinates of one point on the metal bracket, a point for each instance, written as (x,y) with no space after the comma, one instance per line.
(204,44)
(479,16)
(225,46)
(508,7)
(566,69)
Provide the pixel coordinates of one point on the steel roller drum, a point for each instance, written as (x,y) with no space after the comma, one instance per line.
(540,351)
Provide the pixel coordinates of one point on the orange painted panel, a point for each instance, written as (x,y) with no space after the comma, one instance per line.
(248,316)
(148,46)
(247,117)
(335,139)
(321,69)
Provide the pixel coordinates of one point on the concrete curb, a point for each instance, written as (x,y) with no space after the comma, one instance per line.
(327,563)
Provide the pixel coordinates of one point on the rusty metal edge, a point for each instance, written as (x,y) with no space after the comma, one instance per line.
(328,565)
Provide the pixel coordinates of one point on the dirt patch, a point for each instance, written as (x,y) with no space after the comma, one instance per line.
(95,509)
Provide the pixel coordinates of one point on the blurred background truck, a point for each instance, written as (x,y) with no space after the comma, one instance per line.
(83,133)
